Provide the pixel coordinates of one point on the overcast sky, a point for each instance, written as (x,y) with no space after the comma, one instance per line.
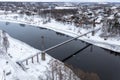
(63,0)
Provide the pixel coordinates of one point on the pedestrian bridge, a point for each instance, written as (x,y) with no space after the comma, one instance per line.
(42,53)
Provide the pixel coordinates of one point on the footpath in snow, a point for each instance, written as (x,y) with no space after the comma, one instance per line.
(68,29)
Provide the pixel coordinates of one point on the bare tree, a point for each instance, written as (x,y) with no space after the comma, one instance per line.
(5,41)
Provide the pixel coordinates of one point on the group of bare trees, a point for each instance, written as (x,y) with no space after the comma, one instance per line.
(58,71)
(111,27)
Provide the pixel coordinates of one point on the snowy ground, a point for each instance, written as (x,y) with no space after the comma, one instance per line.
(16,51)
(71,30)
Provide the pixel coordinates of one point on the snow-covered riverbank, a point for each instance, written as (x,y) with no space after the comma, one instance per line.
(17,50)
(71,30)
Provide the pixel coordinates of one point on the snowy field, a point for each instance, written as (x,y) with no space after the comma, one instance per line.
(68,29)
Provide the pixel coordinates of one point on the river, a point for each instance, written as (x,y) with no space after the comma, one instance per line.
(92,59)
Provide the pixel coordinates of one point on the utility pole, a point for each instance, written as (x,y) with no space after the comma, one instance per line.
(94,25)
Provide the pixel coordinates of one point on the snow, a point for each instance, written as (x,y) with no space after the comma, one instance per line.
(17,50)
(65,7)
(111,17)
(68,29)
(100,1)
(1,11)
(114,7)
(99,19)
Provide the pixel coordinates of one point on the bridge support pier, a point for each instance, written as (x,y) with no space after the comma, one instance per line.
(26,62)
(37,58)
(43,55)
(93,33)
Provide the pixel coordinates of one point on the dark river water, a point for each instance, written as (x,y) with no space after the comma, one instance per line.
(92,59)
